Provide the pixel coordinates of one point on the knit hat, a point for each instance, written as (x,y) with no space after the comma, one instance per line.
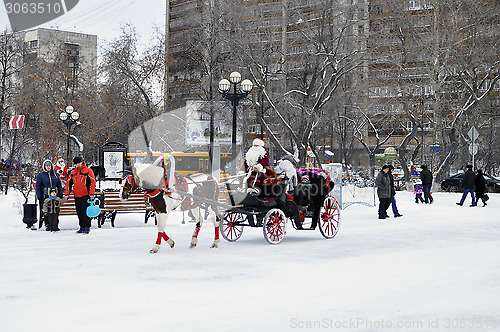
(77,160)
(385,167)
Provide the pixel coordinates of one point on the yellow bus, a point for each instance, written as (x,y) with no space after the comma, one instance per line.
(185,163)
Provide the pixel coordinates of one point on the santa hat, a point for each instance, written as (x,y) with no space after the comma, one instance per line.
(60,159)
(258,142)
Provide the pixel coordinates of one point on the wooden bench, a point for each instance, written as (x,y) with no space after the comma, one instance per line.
(113,205)
(110,204)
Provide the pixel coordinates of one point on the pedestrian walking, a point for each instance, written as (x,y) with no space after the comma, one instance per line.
(468,183)
(418,192)
(393,194)
(383,184)
(51,208)
(46,180)
(426,178)
(480,187)
(82,183)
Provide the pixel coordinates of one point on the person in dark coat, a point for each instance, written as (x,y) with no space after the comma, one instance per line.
(393,193)
(383,184)
(468,183)
(426,178)
(480,187)
(46,180)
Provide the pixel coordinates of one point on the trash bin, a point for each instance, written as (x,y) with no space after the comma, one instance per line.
(29,216)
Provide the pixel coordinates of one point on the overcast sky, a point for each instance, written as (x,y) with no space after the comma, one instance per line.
(104,17)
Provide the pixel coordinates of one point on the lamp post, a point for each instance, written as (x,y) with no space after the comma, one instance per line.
(234,97)
(70,117)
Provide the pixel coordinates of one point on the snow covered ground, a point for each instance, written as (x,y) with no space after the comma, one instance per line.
(436,268)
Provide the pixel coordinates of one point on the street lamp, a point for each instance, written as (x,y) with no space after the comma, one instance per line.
(234,97)
(70,117)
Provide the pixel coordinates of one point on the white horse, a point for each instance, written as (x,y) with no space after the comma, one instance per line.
(175,193)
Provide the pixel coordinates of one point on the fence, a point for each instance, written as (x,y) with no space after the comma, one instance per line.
(350,193)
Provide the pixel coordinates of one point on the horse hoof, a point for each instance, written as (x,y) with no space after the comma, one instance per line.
(171,243)
(193,245)
(153,251)
(215,244)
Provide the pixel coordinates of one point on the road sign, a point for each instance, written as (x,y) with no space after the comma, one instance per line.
(473,133)
(16,122)
(473,148)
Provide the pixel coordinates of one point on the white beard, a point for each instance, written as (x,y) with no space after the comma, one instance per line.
(254,154)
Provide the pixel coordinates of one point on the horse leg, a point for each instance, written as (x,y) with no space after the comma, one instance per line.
(162,222)
(199,222)
(215,219)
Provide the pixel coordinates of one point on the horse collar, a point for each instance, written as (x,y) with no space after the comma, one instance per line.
(156,192)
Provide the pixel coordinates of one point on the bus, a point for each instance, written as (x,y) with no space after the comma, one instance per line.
(185,163)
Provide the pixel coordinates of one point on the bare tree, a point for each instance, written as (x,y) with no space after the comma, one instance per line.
(315,67)
(132,78)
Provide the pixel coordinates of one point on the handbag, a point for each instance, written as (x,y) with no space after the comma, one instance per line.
(93,210)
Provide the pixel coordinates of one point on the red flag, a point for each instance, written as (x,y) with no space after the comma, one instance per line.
(16,122)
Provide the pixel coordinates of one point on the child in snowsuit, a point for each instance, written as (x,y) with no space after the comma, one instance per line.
(51,208)
(418,192)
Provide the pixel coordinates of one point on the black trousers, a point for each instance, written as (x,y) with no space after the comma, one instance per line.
(53,220)
(383,206)
(42,219)
(81,205)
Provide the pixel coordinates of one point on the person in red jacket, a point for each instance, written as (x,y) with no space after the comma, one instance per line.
(82,182)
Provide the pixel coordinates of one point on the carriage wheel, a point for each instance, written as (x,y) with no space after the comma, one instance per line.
(231,228)
(274,226)
(329,218)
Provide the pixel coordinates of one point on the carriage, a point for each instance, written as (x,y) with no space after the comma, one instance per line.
(308,206)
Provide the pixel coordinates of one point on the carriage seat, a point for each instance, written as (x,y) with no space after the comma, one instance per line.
(268,191)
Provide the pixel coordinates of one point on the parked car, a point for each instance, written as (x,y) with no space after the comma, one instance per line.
(454,183)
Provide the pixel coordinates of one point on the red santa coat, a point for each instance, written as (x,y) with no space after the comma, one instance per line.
(61,169)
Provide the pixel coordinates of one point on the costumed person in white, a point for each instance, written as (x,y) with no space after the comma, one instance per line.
(256,161)
(286,169)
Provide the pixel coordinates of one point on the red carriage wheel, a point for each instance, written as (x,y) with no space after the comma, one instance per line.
(329,218)
(274,226)
(231,227)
